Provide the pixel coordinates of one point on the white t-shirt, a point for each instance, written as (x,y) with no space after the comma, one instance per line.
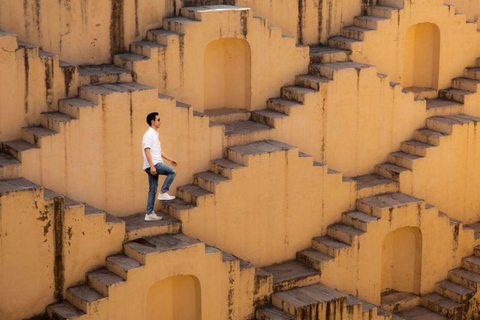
(150,140)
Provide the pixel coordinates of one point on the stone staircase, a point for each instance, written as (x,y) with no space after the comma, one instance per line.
(298,294)
(92,297)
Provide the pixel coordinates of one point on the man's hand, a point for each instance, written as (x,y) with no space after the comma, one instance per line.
(174,163)
(153,171)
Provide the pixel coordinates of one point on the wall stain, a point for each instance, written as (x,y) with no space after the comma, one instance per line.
(244,22)
(137,28)
(301,17)
(59,268)
(26,62)
(320,20)
(49,75)
(117,27)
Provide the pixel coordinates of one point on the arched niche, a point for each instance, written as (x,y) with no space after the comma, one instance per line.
(401,260)
(227,75)
(175,298)
(422,56)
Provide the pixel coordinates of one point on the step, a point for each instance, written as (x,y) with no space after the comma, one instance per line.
(329,70)
(178,24)
(16,147)
(227,115)
(106,73)
(465,277)
(416,147)
(465,84)
(442,107)
(357,219)
(381,11)
(419,313)
(326,54)
(421,93)
(127,60)
(139,249)
(454,94)
(267,117)
(429,136)
(84,298)
(241,153)
(397,301)
(355,32)
(454,291)
(313,258)
(390,170)
(311,302)
(209,180)
(329,245)
(96,92)
(403,159)
(272,313)
(73,106)
(343,43)
(56,121)
(344,233)
(443,305)
(8,160)
(121,264)
(445,124)
(176,207)
(471,263)
(282,105)
(162,36)
(374,184)
(225,167)
(369,311)
(296,93)
(243,132)
(102,280)
(472,73)
(147,48)
(291,274)
(193,194)
(136,226)
(34,135)
(370,22)
(310,81)
(65,311)
(476,228)
(385,204)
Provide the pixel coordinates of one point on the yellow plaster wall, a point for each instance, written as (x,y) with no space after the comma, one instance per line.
(84,32)
(471,8)
(31,82)
(391,58)
(449,175)
(221,286)
(271,191)
(27,281)
(443,245)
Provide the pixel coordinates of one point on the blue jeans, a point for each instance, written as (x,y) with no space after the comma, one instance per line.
(162,169)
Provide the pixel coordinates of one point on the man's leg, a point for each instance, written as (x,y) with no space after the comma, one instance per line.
(152,190)
(165,170)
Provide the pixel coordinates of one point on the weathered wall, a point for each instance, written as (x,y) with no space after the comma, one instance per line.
(31,82)
(470,8)
(392,59)
(28,262)
(83,32)
(442,246)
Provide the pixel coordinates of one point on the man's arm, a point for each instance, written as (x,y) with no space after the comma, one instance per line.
(166,157)
(153,171)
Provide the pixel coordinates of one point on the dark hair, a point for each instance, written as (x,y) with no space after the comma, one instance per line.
(151,117)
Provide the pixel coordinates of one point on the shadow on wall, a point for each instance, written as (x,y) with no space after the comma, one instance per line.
(401,260)
(175,298)
(422,56)
(227,75)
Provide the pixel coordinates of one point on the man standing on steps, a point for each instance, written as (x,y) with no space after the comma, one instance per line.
(153,165)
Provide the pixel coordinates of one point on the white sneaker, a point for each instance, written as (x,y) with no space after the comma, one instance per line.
(165,196)
(152,217)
